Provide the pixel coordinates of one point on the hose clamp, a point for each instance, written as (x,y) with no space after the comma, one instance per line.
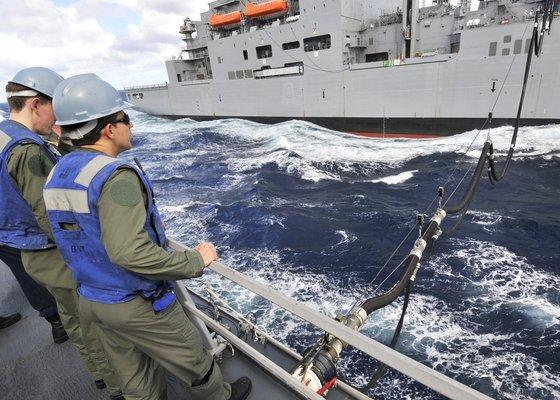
(360,313)
(419,247)
(439,215)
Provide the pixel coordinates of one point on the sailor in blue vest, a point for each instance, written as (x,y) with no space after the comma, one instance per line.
(25,235)
(110,233)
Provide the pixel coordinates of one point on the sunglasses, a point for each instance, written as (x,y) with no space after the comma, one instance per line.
(125,120)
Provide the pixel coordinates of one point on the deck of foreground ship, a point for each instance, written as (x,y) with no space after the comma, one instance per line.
(33,367)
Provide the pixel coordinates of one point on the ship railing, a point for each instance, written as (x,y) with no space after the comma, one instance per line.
(143,87)
(384,354)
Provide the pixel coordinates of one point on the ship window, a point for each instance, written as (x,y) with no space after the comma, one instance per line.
(239,74)
(231,75)
(527,45)
(371,41)
(505,52)
(219,60)
(290,45)
(248,73)
(507,39)
(179,78)
(517,46)
(245,55)
(384,56)
(264,51)
(317,43)
(493,49)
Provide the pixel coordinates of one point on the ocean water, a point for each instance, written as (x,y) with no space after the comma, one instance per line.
(315,214)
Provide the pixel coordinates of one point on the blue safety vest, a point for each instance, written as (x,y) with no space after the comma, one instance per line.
(71,195)
(18,226)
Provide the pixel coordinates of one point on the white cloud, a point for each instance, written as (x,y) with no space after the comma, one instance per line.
(123,41)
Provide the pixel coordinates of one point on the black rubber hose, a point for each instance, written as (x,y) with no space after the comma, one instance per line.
(535,48)
(377,302)
(499,176)
(469,194)
(382,367)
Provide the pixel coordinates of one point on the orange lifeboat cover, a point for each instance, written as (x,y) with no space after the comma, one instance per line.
(270,7)
(218,20)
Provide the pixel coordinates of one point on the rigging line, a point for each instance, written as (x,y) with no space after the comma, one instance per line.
(536,44)
(450,176)
(392,254)
(488,119)
(460,183)
(382,367)
(484,125)
(388,276)
(463,156)
(509,69)
(412,229)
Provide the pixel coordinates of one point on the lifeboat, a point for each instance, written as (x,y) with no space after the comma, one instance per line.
(219,20)
(263,9)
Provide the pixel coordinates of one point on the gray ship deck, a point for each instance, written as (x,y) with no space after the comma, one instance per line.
(34,368)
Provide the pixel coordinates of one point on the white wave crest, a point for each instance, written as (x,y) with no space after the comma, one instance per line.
(396,179)
(505,277)
(309,151)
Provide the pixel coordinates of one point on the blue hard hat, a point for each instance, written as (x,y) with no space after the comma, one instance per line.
(84,98)
(39,79)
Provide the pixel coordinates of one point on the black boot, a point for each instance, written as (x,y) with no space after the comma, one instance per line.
(100,384)
(58,333)
(240,389)
(117,397)
(9,320)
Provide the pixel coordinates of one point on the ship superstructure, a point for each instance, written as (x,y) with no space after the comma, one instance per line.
(361,66)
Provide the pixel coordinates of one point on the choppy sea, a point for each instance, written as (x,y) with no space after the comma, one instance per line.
(315,214)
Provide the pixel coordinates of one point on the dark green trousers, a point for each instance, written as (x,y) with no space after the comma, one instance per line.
(140,344)
(48,268)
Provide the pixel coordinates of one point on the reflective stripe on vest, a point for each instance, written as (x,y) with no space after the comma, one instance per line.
(75,200)
(66,200)
(87,173)
(4,140)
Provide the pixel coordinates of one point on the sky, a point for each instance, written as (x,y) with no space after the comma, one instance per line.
(125,42)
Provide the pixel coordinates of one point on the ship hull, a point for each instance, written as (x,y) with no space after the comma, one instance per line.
(413,128)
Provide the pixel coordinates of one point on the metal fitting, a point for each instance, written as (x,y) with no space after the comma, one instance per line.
(439,215)
(437,234)
(419,247)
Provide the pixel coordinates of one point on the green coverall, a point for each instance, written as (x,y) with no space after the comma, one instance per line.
(139,342)
(29,166)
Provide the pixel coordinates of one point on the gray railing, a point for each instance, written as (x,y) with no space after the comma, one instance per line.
(142,87)
(406,365)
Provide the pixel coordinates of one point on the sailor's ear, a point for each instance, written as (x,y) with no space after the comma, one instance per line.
(107,131)
(33,103)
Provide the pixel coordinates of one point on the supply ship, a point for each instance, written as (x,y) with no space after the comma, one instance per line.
(386,67)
